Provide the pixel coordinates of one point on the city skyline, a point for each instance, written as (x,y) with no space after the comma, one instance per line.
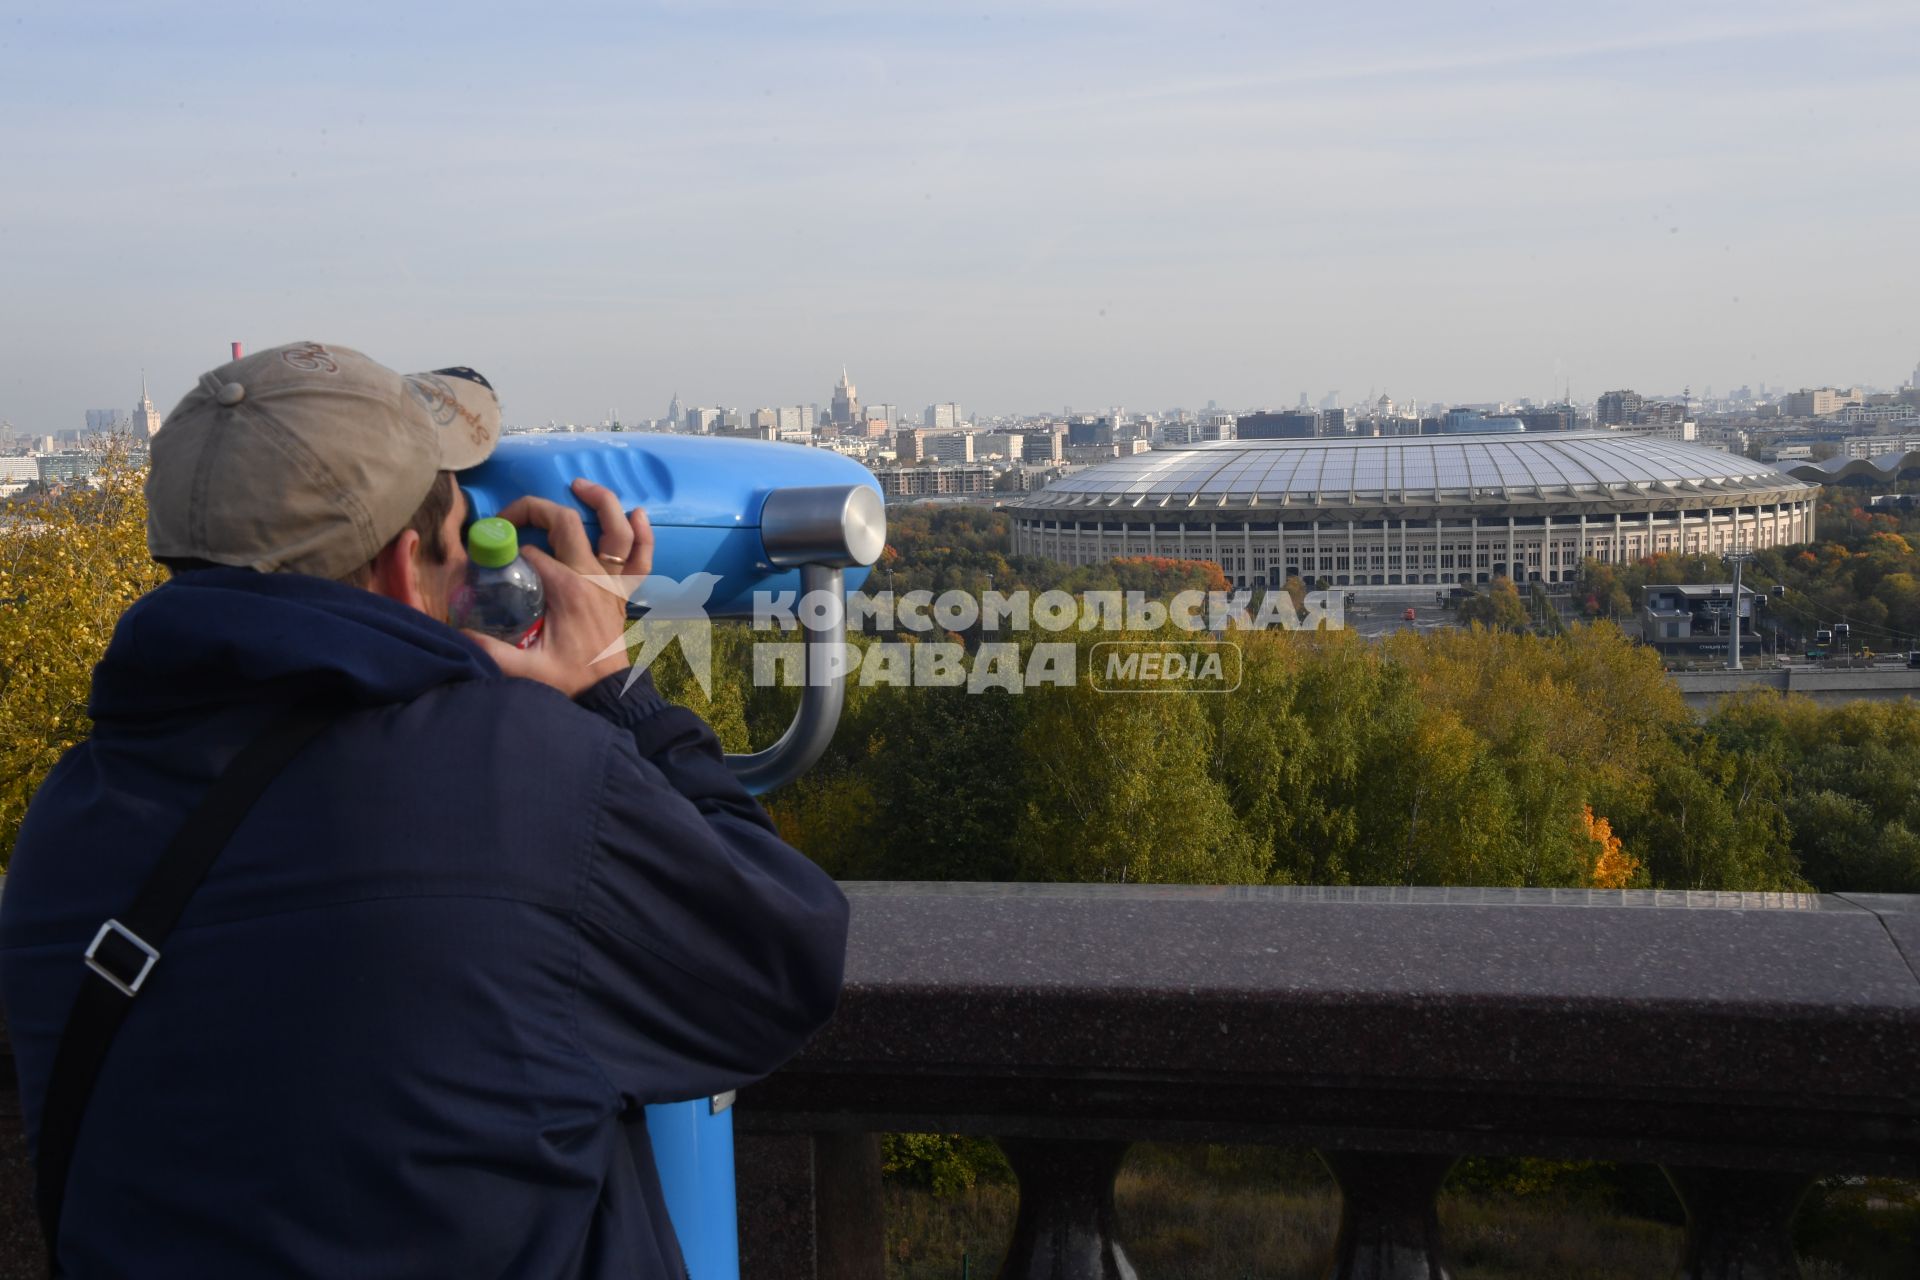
(678,407)
(1015,208)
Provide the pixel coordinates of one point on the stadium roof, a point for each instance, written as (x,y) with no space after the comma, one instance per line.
(1415,470)
(1884,466)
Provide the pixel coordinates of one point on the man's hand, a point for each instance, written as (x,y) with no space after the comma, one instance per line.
(583,639)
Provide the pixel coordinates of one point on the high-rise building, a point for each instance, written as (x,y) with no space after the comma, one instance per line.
(66,467)
(796,422)
(1879,445)
(846,402)
(1553,417)
(1660,413)
(16,474)
(949,446)
(146,418)
(1819,402)
(1663,428)
(1618,408)
(943,417)
(1476,422)
(1287,425)
(1087,430)
(1010,445)
(950,478)
(1176,434)
(910,445)
(1043,446)
(675,414)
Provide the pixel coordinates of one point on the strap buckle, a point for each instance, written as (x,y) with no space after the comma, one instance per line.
(128,987)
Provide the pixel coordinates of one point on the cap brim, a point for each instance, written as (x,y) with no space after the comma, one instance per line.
(464,411)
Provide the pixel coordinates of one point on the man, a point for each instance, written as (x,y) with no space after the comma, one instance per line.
(407,1024)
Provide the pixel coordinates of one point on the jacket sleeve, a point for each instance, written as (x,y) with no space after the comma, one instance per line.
(711,949)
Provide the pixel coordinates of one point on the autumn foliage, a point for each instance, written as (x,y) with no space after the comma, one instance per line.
(1864,571)
(69,565)
(1472,757)
(1613,866)
(1169,571)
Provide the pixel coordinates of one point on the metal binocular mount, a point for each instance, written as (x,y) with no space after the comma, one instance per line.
(823,531)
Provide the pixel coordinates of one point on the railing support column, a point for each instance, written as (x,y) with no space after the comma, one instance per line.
(810,1206)
(1739,1222)
(1388,1227)
(1066,1226)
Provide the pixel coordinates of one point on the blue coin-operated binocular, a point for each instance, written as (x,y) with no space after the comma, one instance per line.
(755,517)
(752,515)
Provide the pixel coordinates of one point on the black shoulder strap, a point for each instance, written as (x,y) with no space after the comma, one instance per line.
(126,948)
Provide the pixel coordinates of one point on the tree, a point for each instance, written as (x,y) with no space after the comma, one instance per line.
(1498,609)
(920,784)
(1613,866)
(1442,812)
(1853,806)
(69,566)
(1120,788)
(1717,822)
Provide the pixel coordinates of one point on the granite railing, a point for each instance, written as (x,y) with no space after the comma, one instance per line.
(1744,1042)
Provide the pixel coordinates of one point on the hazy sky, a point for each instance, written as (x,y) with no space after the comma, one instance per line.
(1014,206)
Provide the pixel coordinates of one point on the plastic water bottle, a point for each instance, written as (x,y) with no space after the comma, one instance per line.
(502,596)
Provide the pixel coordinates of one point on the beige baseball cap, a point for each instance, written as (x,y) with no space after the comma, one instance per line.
(308,458)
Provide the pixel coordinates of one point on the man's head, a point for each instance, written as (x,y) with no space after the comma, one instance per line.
(314,459)
(421,565)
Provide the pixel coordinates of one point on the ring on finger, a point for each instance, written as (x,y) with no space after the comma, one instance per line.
(616,561)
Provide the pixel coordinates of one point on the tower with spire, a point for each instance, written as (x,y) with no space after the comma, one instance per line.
(846,401)
(146,418)
(675,418)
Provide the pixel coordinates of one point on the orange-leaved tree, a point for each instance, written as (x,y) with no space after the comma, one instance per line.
(1613,866)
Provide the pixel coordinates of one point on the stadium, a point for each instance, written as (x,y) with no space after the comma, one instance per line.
(1409,510)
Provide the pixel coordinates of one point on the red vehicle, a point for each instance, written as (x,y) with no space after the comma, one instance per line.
(1408,615)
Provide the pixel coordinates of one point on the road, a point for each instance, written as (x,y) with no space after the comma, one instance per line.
(1375,615)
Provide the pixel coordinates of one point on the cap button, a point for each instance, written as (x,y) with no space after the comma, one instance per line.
(231,394)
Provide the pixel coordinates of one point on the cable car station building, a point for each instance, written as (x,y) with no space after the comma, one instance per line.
(1416,510)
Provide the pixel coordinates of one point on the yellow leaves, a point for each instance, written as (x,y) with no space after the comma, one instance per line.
(69,567)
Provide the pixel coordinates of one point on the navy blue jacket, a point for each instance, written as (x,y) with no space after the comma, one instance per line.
(407,1025)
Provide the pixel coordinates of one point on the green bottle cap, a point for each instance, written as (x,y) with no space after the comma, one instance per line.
(493,543)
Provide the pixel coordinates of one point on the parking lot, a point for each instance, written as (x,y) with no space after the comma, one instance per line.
(1377,614)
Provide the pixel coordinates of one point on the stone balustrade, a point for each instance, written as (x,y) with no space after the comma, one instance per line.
(1745,1042)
